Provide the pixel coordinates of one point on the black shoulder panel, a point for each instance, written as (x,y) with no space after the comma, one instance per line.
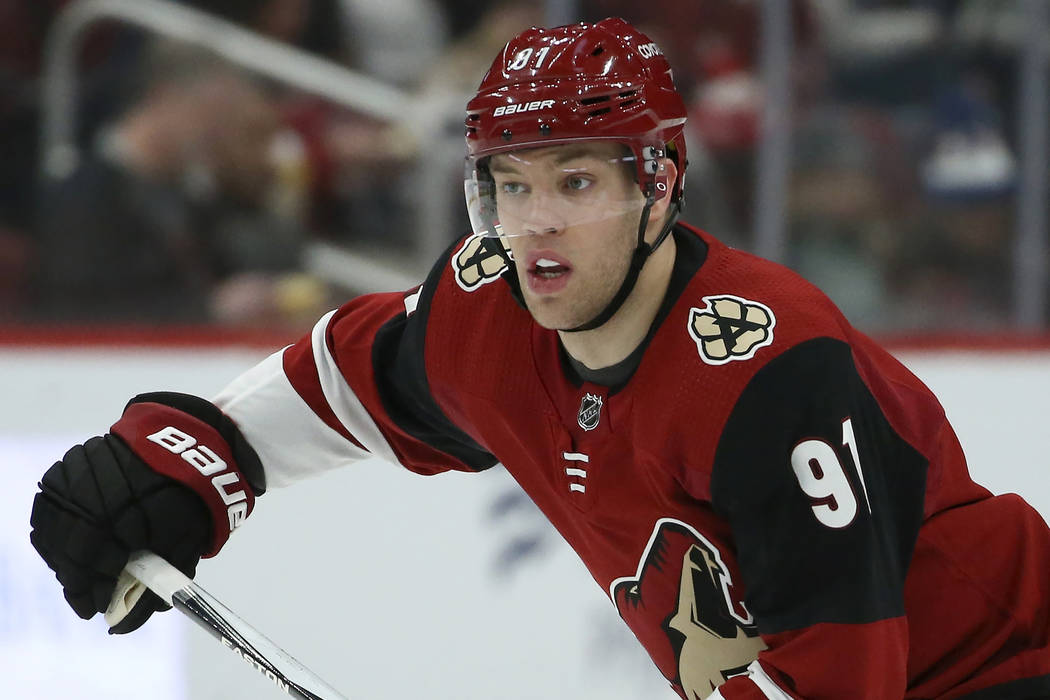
(819,537)
(399,363)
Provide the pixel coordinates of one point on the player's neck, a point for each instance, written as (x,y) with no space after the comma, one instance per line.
(614,340)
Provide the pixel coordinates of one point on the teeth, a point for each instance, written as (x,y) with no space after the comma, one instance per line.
(544,262)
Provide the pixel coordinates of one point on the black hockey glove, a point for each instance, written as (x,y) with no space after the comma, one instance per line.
(174,476)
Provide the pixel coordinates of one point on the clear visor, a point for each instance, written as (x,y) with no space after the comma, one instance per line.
(549,190)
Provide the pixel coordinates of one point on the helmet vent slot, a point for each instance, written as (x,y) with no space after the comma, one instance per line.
(595,100)
(599,112)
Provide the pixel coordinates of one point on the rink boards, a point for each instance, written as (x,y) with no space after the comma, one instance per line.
(387,584)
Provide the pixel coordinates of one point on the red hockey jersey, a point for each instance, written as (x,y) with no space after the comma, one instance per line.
(775,505)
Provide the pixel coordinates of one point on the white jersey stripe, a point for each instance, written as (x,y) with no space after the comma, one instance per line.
(291,441)
(769,688)
(412,301)
(757,675)
(346,406)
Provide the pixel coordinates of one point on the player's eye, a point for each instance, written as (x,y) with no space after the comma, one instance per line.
(513,188)
(578,182)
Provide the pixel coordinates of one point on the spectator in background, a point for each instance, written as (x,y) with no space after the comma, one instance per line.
(365,187)
(714,45)
(447,82)
(22,29)
(840,210)
(354,163)
(952,265)
(316,26)
(952,60)
(396,41)
(175,195)
(940,75)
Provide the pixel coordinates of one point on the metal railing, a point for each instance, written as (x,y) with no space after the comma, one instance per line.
(773,160)
(266,57)
(433,214)
(1031,247)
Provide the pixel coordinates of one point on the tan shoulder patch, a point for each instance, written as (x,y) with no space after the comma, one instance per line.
(730,328)
(477,262)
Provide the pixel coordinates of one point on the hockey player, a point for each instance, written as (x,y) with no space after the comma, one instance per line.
(776,507)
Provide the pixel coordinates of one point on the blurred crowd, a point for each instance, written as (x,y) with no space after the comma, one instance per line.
(199,188)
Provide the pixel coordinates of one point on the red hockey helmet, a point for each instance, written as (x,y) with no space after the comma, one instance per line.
(582,82)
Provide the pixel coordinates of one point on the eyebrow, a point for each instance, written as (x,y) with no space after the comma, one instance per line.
(575,152)
(506,165)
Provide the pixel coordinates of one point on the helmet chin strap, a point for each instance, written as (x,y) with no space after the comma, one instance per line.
(641,253)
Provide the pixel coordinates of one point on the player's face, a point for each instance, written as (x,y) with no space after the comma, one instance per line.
(571,216)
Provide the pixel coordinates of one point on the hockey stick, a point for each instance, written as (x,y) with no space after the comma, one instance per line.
(287,674)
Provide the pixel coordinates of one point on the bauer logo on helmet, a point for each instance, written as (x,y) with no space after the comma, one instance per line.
(523,107)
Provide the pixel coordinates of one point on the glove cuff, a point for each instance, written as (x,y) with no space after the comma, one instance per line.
(192,452)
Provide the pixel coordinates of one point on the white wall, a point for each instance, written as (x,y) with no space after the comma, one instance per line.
(51,400)
(999,405)
(386,584)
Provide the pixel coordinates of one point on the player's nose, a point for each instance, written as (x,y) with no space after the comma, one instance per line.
(543,217)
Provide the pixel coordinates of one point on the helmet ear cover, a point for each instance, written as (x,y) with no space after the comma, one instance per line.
(655,183)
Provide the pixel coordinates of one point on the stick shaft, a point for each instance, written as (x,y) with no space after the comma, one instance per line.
(287,674)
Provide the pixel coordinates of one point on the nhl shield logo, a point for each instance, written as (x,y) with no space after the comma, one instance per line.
(590,411)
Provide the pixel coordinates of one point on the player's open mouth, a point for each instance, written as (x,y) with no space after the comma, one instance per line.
(548,272)
(549,269)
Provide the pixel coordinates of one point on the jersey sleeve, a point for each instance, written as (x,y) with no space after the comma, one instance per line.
(356,387)
(825,500)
